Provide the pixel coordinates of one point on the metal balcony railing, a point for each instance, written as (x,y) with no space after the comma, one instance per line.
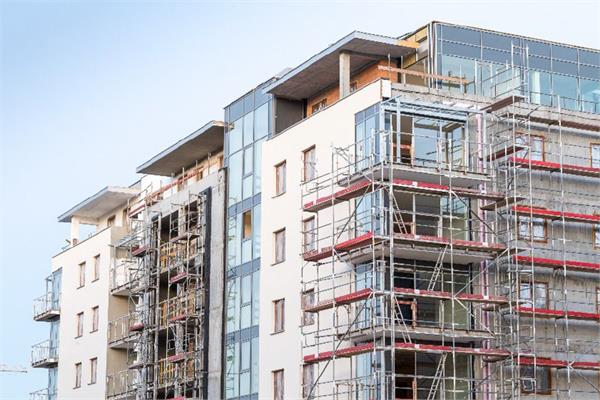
(121,383)
(120,275)
(44,355)
(46,307)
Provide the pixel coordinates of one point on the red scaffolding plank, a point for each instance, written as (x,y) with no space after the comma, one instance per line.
(551,263)
(549,313)
(365,186)
(365,293)
(552,363)
(506,151)
(341,247)
(555,215)
(406,347)
(456,243)
(555,167)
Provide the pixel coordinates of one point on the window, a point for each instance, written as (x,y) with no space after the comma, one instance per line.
(538,382)
(308,373)
(596,234)
(93,370)
(309,164)
(532,229)
(319,106)
(308,300)
(280,178)
(81,275)
(77,375)
(95,318)
(247,221)
(279,246)
(96,268)
(536,147)
(110,221)
(534,295)
(595,155)
(278,315)
(278,385)
(79,325)
(309,235)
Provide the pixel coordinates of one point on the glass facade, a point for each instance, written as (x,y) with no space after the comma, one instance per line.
(557,74)
(248,126)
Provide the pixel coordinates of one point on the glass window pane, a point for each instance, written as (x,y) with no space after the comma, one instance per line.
(564,67)
(566,88)
(247,187)
(590,95)
(235,178)
(587,71)
(564,53)
(232,240)
(246,289)
(248,160)
(257,166)
(425,142)
(245,316)
(497,56)
(246,251)
(589,57)
(461,68)
(539,63)
(235,136)
(254,365)
(255,297)
(458,49)
(496,41)
(248,129)
(461,35)
(261,121)
(256,231)
(538,48)
(540,87)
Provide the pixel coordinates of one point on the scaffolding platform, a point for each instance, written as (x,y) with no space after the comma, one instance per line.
(570,169)
(549,313)
(556,215)
(579,266)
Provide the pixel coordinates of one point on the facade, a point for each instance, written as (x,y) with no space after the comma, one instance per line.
(407,218)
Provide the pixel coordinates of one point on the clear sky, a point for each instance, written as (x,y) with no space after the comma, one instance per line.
(90,90)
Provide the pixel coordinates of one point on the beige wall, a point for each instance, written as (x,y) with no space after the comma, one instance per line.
(334,126)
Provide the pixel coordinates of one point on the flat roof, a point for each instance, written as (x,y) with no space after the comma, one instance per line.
(194,147)
(322,69)
(101,203)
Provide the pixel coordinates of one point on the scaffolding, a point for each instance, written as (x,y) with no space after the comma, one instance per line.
(420,257)
(164,278)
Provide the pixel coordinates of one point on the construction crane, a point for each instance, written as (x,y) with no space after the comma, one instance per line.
(17,369)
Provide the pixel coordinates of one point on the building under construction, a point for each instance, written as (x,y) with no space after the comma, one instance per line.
(410,217)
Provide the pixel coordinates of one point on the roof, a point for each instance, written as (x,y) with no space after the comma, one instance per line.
(192,148)
(322,69)
(101,203)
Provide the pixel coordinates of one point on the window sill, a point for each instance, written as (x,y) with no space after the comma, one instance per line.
(278,195)
(277,263)
(95,330)
(277,333)
(77,337)
(95,280)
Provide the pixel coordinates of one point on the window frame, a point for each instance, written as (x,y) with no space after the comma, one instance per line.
(592,145)
(93,371)
(309,234)
(312,168)
(532,285)
(276,250)
(79,324)
(247,235)
(535,390)
(308,318)
(278,382)
(531,229)
(278,311)
(596,234)
(78,375)
(95,319)
(81,269)
(280,178)
(96,269)
(528,139)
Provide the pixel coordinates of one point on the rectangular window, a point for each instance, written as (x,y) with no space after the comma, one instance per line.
(595,155)
(278,385)
(535,380)
(308,377)
(93,370)
(319,106)
(280,178)
(534,295)
(278,315)
(77,375)
(309,164)
(279,237)
(309,235)
(81,275)
(532,229)
(308,300)
(536,146)
(95,318)
(110,221)
(247,224)
(96,267)
(79,324)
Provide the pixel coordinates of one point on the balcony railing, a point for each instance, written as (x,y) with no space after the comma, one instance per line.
(121,383)
(44,355)
(120,329)
(41,394)
(120,276)
(46,307)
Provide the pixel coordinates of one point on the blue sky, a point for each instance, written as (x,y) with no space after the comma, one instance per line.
(90,90)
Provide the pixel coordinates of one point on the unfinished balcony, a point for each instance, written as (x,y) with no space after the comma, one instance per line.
(121,384)
(121,331)
(46,307)
(44,355)
(121,277)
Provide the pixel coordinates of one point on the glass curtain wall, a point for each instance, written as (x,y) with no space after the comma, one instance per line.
(557,74)
(248,126)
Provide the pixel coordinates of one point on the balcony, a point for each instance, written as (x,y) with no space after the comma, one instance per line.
(121,384)
(120,331)
(46,307)
(120,277)
(44,355)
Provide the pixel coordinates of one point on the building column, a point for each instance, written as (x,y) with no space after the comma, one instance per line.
(74,230)
(344,74)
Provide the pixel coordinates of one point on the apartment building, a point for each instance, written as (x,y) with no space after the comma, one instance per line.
(407,217)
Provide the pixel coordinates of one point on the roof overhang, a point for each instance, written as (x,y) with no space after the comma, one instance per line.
(194,147)
(322,70)
(100,203)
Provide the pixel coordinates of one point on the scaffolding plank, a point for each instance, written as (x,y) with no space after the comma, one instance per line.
(505,151)
(580,266)
(552,363)
(342,247)
(556,215)
(442,241)
(556,167)
(502,203)
(365,186)
(504,102)
(550,313)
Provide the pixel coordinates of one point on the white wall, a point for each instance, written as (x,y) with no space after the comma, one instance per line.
(332,126)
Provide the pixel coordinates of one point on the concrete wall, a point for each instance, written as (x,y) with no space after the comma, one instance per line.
(333,126)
